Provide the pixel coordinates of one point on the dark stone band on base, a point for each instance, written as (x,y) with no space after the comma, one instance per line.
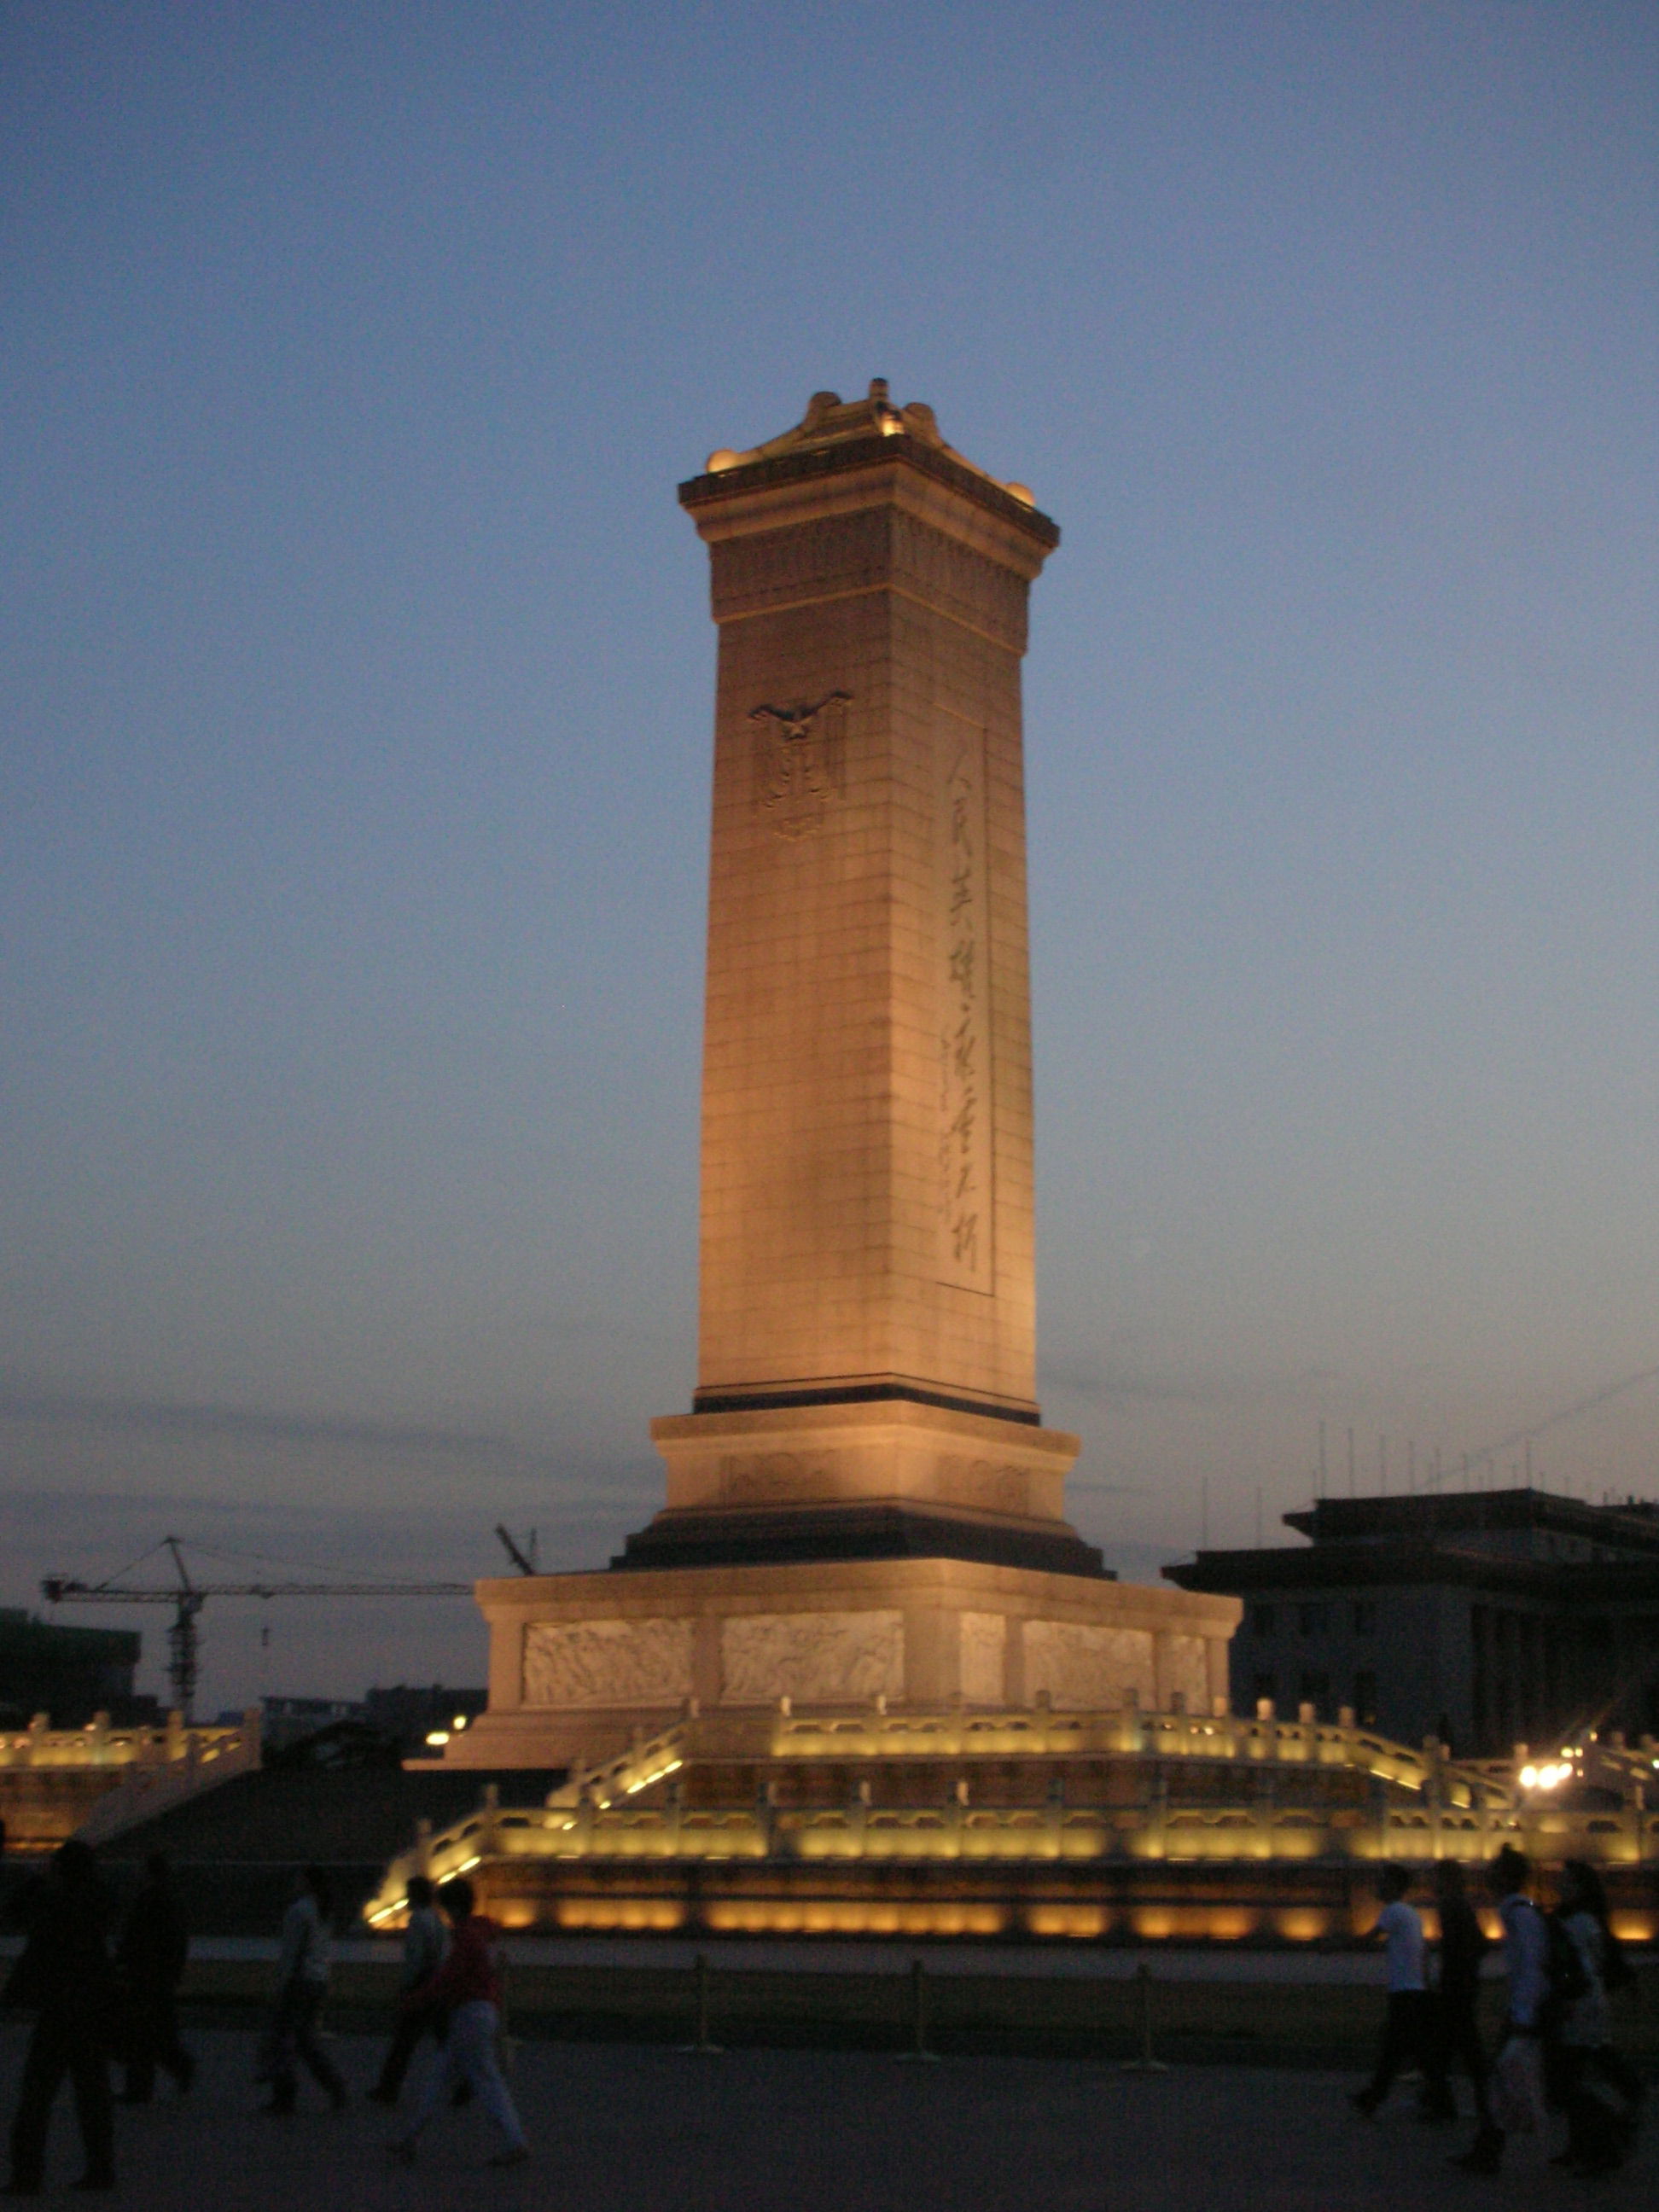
(857,1393)
(754,1536)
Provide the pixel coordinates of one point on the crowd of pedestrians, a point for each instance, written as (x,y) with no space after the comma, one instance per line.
(98,1996)
(1555,2051)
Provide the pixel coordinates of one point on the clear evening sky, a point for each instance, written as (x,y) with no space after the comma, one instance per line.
(356,679)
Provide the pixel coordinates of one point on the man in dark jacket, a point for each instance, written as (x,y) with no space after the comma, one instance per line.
(149,1959)
(1463,1944)
(64,1978)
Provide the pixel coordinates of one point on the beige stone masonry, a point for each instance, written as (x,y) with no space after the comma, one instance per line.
(866,1348)
(866,1157)
(581,1662)
(889,1452)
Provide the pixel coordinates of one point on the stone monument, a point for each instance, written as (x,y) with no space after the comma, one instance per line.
(863,1502)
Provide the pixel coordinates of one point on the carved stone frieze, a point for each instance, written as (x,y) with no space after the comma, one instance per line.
(817,1658)
(1079,1663)
(952,577)
(859,552)
(574,1664)
(985,1484)
(760,1477)
(839,552)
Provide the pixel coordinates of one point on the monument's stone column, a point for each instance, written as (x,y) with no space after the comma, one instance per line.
(867,1344)
(863,1504)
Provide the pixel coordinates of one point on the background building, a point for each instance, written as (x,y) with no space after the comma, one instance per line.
(1485,1619)
(69,1673)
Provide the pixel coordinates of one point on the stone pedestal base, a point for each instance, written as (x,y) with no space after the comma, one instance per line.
(892,1479)
(578,1663)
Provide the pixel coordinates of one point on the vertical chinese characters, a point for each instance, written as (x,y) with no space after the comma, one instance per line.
(964,1146)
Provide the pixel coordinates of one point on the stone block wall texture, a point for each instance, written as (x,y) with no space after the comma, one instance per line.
(866,1142)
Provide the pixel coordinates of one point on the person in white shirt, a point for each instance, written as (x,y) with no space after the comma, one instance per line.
(302,1972)
(1408,2026)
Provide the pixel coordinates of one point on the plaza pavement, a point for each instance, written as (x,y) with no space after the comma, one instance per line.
(621,2127)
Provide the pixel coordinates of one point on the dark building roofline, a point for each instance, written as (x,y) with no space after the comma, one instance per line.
(23,1638)
(1288,1567)
(1633,1526)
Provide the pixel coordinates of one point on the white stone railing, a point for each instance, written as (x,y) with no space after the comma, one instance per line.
(1041,1733)
(98,1744)
(1454,1809)
(137,1772)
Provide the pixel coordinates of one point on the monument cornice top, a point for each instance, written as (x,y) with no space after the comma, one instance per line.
(836,436)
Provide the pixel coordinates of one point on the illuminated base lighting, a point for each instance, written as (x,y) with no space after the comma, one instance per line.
(656,1916)
(838,1918)
(938,1825)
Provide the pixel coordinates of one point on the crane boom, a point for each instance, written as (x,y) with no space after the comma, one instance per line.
(187,1598)
(64,1589)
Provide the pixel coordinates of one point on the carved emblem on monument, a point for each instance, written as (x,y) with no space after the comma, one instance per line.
(797,761)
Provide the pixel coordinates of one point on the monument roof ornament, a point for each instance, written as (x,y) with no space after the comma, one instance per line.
(834,428)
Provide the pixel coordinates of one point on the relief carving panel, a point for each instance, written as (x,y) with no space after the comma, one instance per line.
(960,582)
(762,1478)
(607,1662)
(984,1655)
(797,761)
(819,1658)
(844,553)
(984,1485)
(1080,1664)
(773,567)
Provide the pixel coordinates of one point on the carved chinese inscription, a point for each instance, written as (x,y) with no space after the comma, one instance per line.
(797,761)
(965,1159)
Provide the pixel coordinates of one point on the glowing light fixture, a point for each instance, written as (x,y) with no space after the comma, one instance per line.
(438,1737)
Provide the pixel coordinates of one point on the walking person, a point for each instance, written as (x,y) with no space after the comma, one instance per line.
(65,1979)
(1516,2081)
(149,1964)
(1463,1944)
(426,1945)
(1408,2025)
(302,1974)
(468,1985)
(1591,2082)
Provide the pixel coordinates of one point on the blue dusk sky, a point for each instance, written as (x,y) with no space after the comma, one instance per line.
(357,678)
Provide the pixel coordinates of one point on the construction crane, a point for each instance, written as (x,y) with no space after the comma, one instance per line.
(187,1598)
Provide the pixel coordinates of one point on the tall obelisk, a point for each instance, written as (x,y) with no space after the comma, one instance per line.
(866,1357)
(863,1504)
